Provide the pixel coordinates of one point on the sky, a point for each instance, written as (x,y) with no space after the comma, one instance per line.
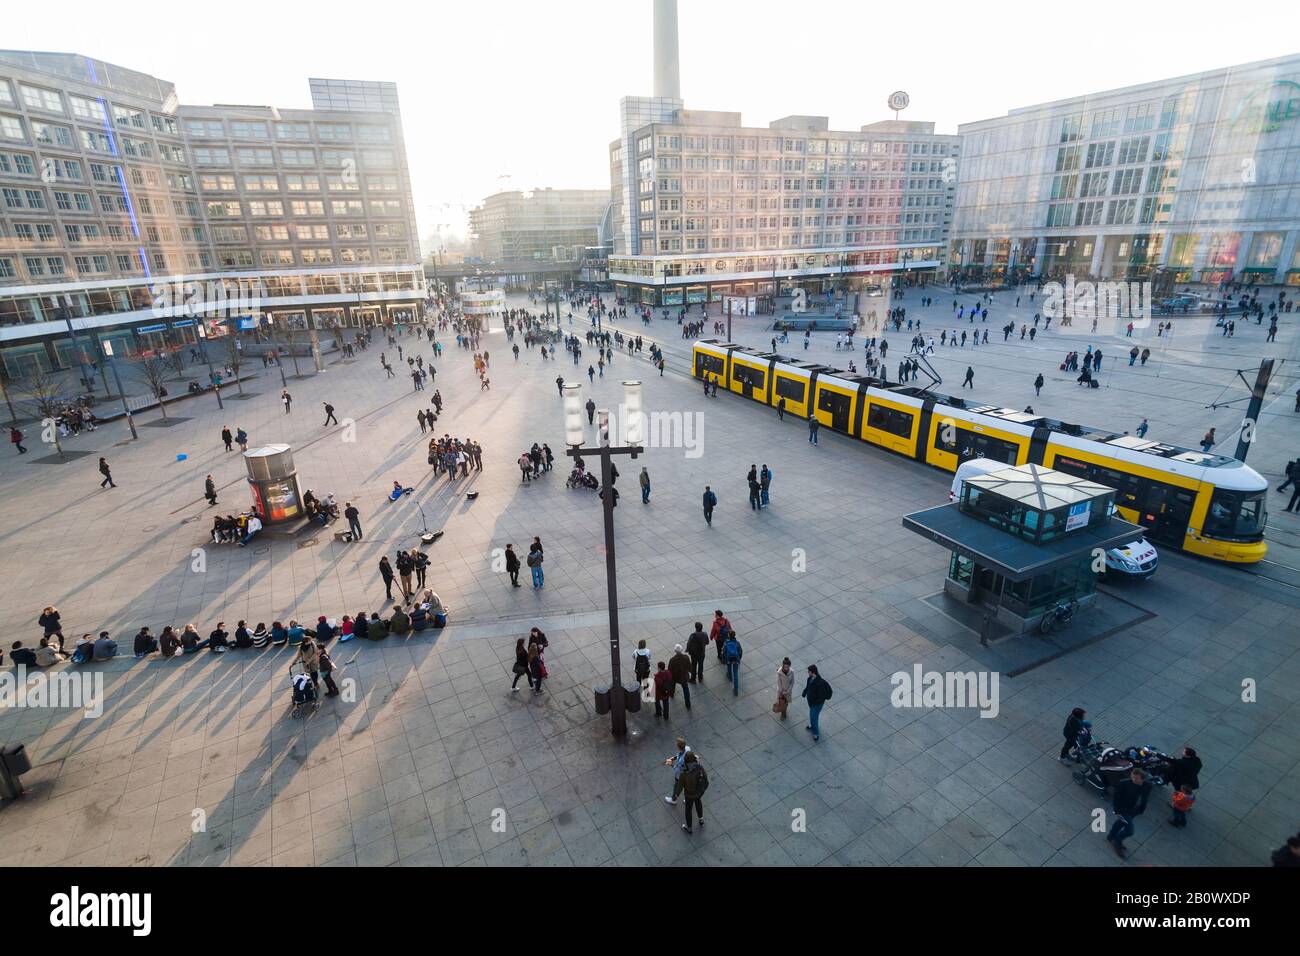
(515,94)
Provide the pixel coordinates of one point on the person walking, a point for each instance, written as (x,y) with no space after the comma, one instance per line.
(591,411)
(1207,443)
(536,668)
(718,633)
(1073,724)
(1038,384)
(641,664)
(645,486)
(732,652)
(755,492)
(970,378)
(329,415)
(696,646)
(16,439)
(663,681)
(287,399)
(780,409)
(693,782)
(326,665)
(710,502)
(680,667)
(520,667)
(764,485)
(784,688)
(210,491)
(678,762)
(227,438)
(241,439)
(512,565)
(1292,471)
(535,558)
(817,691)
(386,572)
(813,426)
(108,475)
(421,560)
(354,520)
(1142,428)
(1130,801)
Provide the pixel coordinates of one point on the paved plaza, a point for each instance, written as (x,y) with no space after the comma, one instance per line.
(416,766)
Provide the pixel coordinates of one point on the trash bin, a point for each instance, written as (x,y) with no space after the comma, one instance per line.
(15,760)
(632,698)
(602,700)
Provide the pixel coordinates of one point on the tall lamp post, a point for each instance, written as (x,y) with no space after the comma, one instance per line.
(574,434)
(212,375)
(107,345)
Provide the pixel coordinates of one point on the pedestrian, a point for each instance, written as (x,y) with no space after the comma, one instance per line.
(50,623)
(16,439)
(813,426)
(1142,429)
(755,492)
(1207,443)
(421,560)
(329,415)
(386,572)
(520,667)
(241,439)
(1129,802)
(678,762)
(710,502)
(287,399)
(1181,803)
(663,689)
(970,377)
(1288,854)
(535,558)
(1038,384)
(227,438)
(326,665)
(512,565)
(1073,725)
(641,663)
(645,486)
(764,485)
(817,691)
(1146,354)
(718,633)
(108,475)
(784,688)
(780,409)
(680,667)
(354,520)
(1132,353)
(422,420)
(696,646)
(405,565)
(693,782)
(536,668)
(591,411)
(733,652)
(210,491)
(1292,471)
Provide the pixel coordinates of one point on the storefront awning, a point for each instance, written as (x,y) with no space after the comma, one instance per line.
(1012,557)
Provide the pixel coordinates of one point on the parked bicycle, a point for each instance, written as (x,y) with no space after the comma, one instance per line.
(1062,615)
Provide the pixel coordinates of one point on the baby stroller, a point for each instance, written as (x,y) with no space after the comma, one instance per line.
(304,691)
(1104,765)
(581,479)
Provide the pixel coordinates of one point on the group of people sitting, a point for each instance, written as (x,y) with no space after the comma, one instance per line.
(231,528)
(72,419)
(322,512)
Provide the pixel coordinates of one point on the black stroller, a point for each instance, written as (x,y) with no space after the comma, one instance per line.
(1104,765)
(305,699)
(581,479)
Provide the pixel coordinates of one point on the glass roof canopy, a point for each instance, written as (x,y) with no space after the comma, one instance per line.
(1039,487)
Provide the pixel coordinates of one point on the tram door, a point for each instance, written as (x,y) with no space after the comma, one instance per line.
(1166,512)
(838,405)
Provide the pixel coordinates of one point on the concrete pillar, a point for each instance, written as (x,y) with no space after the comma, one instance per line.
(1098,251)
(667,78)
(1288,254)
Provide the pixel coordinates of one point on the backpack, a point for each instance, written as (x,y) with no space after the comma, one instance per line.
(701,777)
(727,651)
(642,666)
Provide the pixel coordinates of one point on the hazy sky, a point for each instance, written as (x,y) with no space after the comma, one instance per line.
(515,94)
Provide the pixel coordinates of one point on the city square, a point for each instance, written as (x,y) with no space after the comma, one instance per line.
(731,496)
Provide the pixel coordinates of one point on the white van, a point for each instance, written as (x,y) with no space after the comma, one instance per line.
(1137,559)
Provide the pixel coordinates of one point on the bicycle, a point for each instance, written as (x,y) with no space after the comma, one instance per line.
(1061,615)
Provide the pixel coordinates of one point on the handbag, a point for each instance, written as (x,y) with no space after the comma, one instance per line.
(781,705)
(518,669)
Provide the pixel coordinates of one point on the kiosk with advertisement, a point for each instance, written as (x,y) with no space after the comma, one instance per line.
(273,483)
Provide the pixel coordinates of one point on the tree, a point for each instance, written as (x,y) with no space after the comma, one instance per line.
(233,356)
(45,396)
(290,340)
(155,369)
(176,358)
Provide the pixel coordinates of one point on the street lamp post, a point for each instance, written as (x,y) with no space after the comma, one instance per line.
(107,345)
(574,434)
(212,375)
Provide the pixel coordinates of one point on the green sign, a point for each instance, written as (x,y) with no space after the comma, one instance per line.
(1269,107)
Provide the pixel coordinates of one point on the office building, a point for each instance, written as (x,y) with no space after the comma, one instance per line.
(112,189)
(1190,179)
(542,225)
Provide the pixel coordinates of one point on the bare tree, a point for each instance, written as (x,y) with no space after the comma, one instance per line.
(155,369)
(290,336)
(176,358)
(45,395)
(233,357)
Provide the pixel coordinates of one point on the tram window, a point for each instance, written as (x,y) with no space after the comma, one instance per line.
(890,420)
(748,376)
(970,444)
(1235,514)
(790,389)
(712,364)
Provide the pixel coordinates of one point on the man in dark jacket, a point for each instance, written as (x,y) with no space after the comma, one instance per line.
(1129,803)
(696,645)
(1184,770)
(817,691)
(663,690)
(386,572)
(710,502)
(1073,724)
(680,666)
(1288,854)
(512,565)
